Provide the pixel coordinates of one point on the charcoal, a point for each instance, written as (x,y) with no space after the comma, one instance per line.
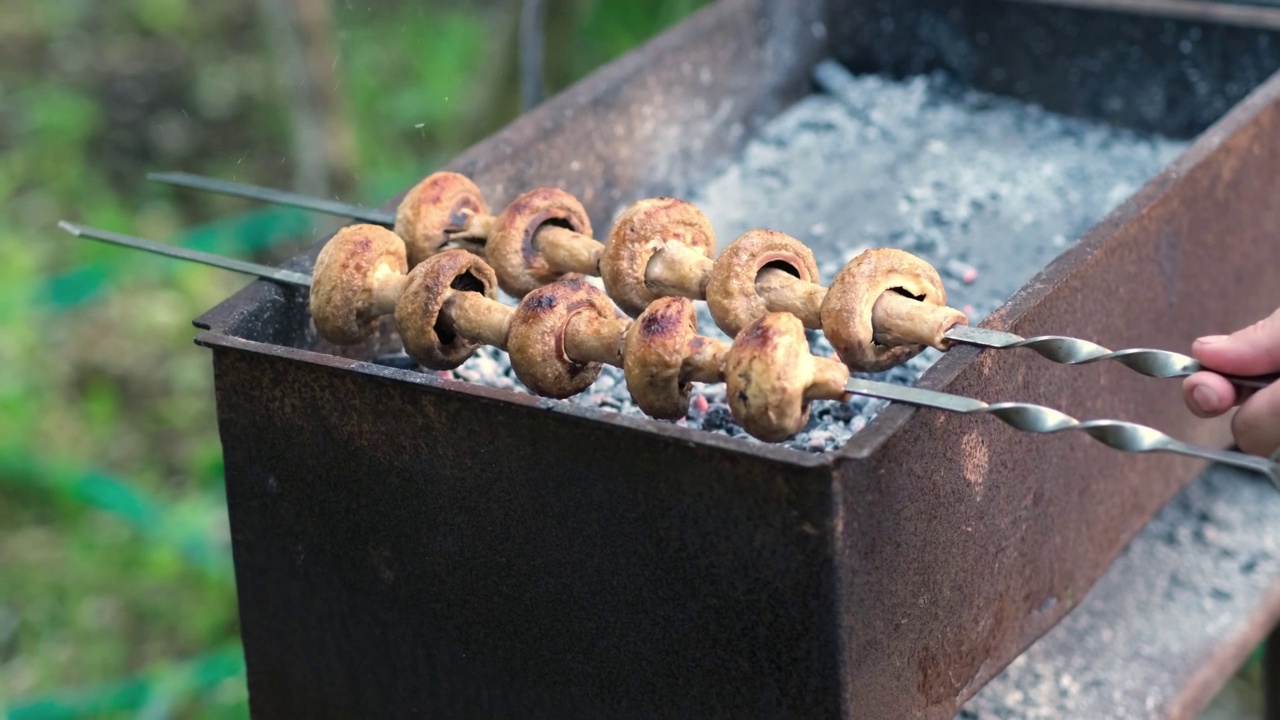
(988,189)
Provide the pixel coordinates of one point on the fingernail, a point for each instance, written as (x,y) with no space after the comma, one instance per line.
(1204,398)
(1211,339)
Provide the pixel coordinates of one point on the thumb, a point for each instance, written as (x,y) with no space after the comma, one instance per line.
(1252,351)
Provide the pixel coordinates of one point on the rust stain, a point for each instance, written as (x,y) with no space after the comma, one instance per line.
(975,460)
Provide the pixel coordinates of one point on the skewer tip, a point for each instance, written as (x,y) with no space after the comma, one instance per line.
(71,227)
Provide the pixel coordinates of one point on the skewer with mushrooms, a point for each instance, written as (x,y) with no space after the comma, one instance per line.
(561,334)
(884,308)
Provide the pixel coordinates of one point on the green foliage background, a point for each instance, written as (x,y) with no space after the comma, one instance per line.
(117,596)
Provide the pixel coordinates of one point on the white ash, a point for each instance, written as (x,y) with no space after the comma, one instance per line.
(986,188)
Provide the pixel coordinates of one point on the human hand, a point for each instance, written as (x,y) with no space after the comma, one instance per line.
(1254,350)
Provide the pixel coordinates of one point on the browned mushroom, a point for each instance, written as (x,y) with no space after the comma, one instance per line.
(540,338)
(432,209)
(663,354)
(541,236)
(763,271)
(771,377)
(562,333)
(357,278)
(884,307)
(447,310)
(657,247)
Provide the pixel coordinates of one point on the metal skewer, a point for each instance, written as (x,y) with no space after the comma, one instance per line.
(1118,434)
(263,271)
(278,197)
(1065,350)
(1074,351)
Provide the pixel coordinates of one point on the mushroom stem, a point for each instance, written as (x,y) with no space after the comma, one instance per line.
(784,292)
(900,320)
(388,283)
(568,251)
(475,231)
(830,380)
(679,270)
(704,361)
(477,318)
(591,338)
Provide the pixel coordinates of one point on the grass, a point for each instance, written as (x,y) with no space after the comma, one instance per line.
(117,596)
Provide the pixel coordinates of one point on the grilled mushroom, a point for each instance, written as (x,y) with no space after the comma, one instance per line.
(536,342)
(771,377)
(357,278)
(445,291)
(733,295)
(518,236)
(657,247)
(663,354)
(432,209)
(884,307)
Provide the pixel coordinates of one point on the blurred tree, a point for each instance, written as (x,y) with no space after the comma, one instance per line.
(303,42)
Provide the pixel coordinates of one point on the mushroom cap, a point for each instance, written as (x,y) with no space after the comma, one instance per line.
(511,247)
(766,374)
(437,205)
(731,294)
(346,274)
(535,341)
(846,311)
(656,346)
(641,230)
(428,340)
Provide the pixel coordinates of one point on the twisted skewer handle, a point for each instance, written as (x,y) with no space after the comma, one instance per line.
(1117,434)
(1074,351)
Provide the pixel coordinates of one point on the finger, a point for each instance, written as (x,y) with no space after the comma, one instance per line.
(1208,394)
(1256,425)
(1255,350)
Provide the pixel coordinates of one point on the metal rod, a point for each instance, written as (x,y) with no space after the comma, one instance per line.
(1218,13)
(277,197)
(1074,351)
(1069,351)
(263,271)
(1118,434)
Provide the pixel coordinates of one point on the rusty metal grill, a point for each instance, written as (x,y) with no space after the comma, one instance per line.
(407,544)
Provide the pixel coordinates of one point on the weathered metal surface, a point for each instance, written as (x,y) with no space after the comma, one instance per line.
(407,545)
(402,552)
(1172,619)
